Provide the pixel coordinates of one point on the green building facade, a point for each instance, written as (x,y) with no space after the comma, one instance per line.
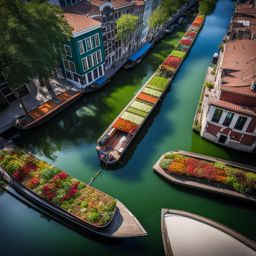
(84,59)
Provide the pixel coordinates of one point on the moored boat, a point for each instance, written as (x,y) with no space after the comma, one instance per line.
(207,173)
(64,198)
(48,109)
(137,57)
(114,142)
(187,234)
(97,85)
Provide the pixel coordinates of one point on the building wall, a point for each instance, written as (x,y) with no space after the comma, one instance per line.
(80,77)
(244,139)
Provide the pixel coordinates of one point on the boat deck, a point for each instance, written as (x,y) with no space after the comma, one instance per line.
(51,105)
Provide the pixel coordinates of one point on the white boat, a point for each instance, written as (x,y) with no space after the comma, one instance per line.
(187,234)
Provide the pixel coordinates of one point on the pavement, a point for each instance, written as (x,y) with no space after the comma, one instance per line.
(36,97)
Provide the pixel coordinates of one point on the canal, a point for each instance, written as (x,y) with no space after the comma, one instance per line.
(68,141)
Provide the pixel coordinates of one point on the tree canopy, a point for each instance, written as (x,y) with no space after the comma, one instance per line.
(163,12)
(125,26)
(31,39)
(206,7)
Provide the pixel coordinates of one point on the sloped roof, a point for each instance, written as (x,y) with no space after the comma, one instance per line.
(239,65)
(80,22)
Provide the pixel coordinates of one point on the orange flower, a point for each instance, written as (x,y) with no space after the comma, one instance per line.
(147,98)
(124,125)
(177,167)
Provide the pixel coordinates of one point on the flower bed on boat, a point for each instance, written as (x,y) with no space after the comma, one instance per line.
(132,118)
(177,53)
(187,42)
(158,83)
(58,187)
(191,34)
(145,97)
(152,92)
(125,125)
(217,172)
(173,62)
(141,106)
(137,112)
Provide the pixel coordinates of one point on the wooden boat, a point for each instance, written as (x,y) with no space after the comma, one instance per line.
(187,234)
(97,85)
(201,184)
(137,57)
(113,143)
(122,225)
(48,109)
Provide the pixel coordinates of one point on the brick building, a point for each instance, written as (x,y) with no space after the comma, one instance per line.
(230,117)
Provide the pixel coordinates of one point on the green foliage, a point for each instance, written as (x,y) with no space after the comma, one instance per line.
(47,175)
(157,18)
(164,163)
(179,54)
(219,165)
(206,7)
(31,39)
(209,85)
(137,111)
(158,83)
(125,26)
(93,216)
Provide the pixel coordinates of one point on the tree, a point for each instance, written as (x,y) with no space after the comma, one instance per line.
(162,13)
(31,38)
(206,7)
(125,26)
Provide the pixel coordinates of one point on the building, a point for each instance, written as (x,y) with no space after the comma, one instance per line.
(243,25)
(84,57)
(108,12)
(229,117)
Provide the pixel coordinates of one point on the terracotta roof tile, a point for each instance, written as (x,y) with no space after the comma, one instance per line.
(80,22)
(239,65)
(232,107)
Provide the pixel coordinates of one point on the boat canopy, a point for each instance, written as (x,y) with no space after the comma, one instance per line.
(101,81)
(142,50)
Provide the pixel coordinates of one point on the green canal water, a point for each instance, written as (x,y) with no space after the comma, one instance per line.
(68,141)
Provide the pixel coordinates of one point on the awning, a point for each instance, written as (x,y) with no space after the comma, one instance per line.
(144,49)
(101,81)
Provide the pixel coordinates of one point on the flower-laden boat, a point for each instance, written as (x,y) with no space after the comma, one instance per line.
(208,173)
(114,142)
(65,198)
(48,109)
(187,234)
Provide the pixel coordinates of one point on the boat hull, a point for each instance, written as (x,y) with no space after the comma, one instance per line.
(47,117)
(204,186)
(170,248)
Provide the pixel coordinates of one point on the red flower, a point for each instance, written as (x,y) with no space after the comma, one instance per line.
(72,191)
(186,42)
(173,61)
(28,167)
(60,176)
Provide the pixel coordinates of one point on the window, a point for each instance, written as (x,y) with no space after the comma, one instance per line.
(84,62)
(240,122)
(99,56)
(100,71)
(68,51)
(69,66)
(88,44)
(95,61)
(95,73)
(81,47)
(89,76)
(97,40)
(216,116)
(89,61)
(228,119)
